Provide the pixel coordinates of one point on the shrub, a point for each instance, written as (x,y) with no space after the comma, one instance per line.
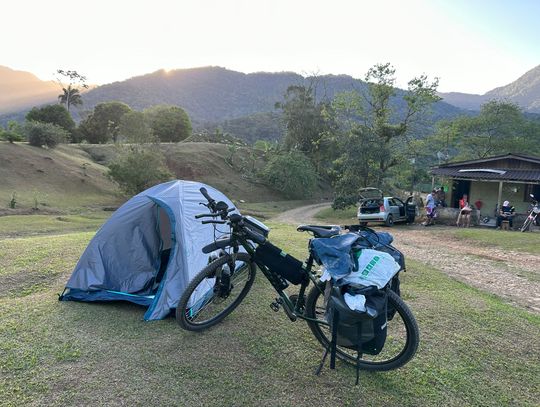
(138,168)
(11,136)
(291,173)
(45,134)
(55,114)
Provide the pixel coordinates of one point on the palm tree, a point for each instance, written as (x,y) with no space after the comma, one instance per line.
(70,97)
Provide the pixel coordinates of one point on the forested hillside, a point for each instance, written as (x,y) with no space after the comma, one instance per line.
(238,103)
(525,92)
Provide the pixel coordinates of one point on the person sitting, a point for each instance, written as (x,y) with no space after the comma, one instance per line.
(441,197)
(465,210)
(506,212)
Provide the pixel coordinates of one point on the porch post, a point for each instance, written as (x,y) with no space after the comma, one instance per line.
(432,182)
(499,197)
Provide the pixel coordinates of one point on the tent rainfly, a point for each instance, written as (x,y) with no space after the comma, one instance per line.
(148,251)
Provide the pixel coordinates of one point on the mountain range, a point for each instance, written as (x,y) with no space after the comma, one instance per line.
(217,97)
(524,91)
(19,90)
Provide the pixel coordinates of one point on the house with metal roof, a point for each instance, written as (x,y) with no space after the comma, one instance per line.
(492,180)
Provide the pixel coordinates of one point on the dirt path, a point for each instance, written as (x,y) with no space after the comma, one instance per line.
(514,276)
(304,214)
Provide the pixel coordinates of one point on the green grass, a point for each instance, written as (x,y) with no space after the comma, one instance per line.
(338,216)
(268,209)
(475,349)
(22,225)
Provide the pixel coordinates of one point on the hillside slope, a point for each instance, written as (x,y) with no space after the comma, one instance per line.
(72,177)
(524,91)
(207,163)
(65,178)
(19,89)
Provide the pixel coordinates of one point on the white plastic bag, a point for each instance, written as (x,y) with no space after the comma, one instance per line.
(374,268)
(355,302)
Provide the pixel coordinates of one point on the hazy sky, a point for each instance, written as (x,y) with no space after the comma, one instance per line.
(473,46)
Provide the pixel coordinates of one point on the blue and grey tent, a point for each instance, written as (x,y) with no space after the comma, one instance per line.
(148,251)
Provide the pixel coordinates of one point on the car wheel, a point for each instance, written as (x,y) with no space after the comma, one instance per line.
(389,220)
(362,223)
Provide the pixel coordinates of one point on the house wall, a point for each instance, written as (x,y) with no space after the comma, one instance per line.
(488,192)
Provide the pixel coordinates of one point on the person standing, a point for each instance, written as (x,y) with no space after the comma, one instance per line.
(430,208)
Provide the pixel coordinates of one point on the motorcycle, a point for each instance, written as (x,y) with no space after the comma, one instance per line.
(533,214)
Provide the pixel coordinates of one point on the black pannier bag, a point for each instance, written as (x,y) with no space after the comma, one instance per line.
(363,331)
(280,262)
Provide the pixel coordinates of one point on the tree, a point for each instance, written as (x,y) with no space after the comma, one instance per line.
(499,128)
(138,168)
(55,114)
(134,128)
(292,173)
(41,134)
(103,124)
(372,138)
(169,123)
(71,95)
(307,122)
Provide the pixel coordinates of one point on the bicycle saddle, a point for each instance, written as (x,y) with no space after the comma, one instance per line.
(320,230)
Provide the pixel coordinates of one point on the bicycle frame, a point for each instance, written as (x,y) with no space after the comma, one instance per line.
(293,311)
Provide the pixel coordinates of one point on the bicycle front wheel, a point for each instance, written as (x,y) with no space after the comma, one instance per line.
(401,341)
(207,299)
(526,225)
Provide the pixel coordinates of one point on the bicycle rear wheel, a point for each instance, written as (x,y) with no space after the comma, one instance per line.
(206,301)
(401,341)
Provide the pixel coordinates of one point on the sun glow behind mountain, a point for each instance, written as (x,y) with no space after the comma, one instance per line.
(460,42)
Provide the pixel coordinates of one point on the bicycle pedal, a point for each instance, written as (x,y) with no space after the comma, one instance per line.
(274,306)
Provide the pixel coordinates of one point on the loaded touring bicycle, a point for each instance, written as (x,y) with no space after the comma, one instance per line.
(348,287)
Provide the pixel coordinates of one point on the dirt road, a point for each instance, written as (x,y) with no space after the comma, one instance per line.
(514,276)
(304,214)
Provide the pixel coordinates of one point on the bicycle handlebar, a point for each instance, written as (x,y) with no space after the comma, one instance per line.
(213,221)
(206,215)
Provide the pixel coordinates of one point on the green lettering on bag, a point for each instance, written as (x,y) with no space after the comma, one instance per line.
(370,265)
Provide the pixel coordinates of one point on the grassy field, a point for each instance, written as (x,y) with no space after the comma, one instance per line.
(475,349)
(340,216)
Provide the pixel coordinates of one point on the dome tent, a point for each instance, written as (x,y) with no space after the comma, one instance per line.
(148,251)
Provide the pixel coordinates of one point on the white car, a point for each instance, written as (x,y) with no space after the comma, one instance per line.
(376,208)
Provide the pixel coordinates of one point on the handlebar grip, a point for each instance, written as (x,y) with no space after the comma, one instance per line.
(205,194)
(256,237)
(206,215)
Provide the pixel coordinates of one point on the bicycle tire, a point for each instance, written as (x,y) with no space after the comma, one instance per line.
(526,225)
(184,313)
(403,314)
